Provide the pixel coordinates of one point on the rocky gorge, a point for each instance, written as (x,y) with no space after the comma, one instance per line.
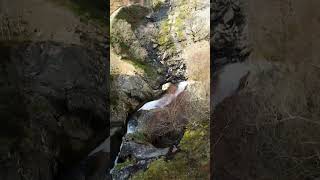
(54,90)
(148,46)
(55,96)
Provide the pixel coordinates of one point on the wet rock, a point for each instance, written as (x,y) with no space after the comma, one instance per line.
(141,151)
(126,172)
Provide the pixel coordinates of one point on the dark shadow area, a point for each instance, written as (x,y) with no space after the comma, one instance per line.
(53,107)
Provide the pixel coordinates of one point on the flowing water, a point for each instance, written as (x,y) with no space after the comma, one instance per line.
(228,81)
(156,104)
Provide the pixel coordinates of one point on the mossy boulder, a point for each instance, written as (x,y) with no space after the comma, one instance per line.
(123,23)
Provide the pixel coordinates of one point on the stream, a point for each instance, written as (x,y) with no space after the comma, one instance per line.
(165,100)
(228,81)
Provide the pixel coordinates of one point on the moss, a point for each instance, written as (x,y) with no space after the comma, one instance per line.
(191,163)
(180,27)
(146,68)
(138,137)
(127,163)
(157,4)
(164,36)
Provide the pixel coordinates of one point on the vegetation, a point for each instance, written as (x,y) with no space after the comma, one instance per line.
(164,36)
(192,162)
(147,69)
(138,137)
(185,121)
(121,36)
(275,120)
(127,163)
(13,30)
(156,4)
(180,21)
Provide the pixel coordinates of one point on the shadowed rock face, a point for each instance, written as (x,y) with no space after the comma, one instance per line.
(229,38)
(53,111)
(115,4)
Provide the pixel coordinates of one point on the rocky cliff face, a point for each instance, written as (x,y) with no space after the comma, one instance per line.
(148,50)
(54,107)
(229,33)
(135,76)
(53,90)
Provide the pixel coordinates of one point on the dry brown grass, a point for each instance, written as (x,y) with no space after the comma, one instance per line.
(169,120)
(274,123)
(197,58)
(191,105)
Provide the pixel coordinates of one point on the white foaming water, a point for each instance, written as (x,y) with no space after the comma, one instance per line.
(229,80)
(181,87)
(166,99)
(160,103)
(131,128)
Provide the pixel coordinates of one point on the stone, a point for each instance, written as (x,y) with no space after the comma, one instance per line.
(142,151)
(165,86)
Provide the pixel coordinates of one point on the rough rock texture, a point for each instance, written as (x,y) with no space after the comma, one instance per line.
(123,38)
(155,41)
(53,108)
(141,152)
(260,132)
(135,77)
(130,169)
(229,33)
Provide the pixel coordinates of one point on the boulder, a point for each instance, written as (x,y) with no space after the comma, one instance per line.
(123,23)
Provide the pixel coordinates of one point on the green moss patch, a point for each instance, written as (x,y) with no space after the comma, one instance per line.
(191,163)
(138,137)
(157,4)
(127,163)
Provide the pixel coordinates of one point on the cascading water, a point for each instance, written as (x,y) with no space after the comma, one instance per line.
(156,104)
(166,99)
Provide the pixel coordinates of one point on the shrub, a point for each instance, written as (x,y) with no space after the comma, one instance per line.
(168,122)
(274,123)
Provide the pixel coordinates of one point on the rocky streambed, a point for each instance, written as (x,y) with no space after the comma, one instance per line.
(135,33)
(148,71)
(135,151)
